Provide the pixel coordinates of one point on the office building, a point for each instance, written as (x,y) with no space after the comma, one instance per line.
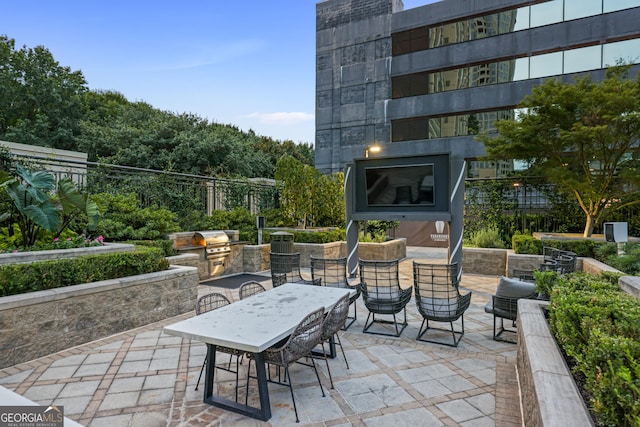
(430,78)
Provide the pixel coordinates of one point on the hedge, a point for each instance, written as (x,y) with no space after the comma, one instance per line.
(41,275)
(596,324)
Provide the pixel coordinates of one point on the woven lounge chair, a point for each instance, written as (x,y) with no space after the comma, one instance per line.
(382,294)
(207,303)
(333,322)
(438,299)
(250,288)
(300,343)
(285,268)
(333,272)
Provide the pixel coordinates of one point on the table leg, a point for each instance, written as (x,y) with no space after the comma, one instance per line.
(263,413)
(332,350)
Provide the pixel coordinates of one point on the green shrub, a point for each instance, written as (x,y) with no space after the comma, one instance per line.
(596,324)
(123,219)
(628,263)
(488,237)
(545,281)
(165,244)
(300,236)
(41,275)
(526,244)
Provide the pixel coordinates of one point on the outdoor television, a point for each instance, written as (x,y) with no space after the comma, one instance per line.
(401,187)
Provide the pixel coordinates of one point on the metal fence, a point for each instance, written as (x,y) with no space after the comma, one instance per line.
(178,192)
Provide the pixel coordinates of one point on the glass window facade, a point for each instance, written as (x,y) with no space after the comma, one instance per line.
(447,126)
(508,21)
(511,70)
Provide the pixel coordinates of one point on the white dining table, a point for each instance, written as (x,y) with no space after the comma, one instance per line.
(253,325)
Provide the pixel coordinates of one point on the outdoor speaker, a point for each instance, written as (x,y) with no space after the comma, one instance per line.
(616,232)
(260,222)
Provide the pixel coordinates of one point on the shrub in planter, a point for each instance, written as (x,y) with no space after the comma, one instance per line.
(487,238)
(526,244)
(41,275)
(596,325)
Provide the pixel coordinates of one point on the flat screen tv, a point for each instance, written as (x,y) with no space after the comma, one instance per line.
(401,187)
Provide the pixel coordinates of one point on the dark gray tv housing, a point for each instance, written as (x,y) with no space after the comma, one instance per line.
(401,188)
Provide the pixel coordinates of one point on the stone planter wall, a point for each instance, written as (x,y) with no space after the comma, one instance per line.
(386,251)
(324,250)
(26,257)
(39,323)
(488,261)
(549,394)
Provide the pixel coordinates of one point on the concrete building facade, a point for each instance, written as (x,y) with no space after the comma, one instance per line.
(428,79)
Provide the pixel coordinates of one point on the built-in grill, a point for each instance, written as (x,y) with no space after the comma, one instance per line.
(213,247)
(216,243)
(216,248)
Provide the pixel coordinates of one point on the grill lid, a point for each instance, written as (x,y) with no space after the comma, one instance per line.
(210,238)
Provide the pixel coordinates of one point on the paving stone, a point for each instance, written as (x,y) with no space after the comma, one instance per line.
(132,367)
(74,360)
(44,394)
(413,417)
(99,358)
(149,419)
(159,381)
(112,421)
(58,373)
(80,388)
(431,388)
(92,370)
(459,410)
(111,346)
(74,405)
(155,397)
(456,383)
(119,400)
(138,355)
(16,378)
(120,385)
(486,403)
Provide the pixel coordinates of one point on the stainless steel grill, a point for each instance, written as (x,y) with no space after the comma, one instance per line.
(216,243)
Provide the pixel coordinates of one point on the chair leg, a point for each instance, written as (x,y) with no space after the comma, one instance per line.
(295,408)
(457,335)
(326,361)
(342,349)
(350,320)
(201,370)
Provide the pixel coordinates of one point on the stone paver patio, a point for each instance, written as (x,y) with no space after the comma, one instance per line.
(146,378)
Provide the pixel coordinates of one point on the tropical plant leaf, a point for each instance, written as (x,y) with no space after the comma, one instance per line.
(43,181)
(45,215)
(70,197)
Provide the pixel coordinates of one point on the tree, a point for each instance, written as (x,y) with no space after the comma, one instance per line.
(582,136)
(40,100)
(297,194)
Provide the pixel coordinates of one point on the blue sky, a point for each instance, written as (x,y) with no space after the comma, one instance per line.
(246,63)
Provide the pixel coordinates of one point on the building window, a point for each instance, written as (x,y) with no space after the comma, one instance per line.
(537,66)
(478,27)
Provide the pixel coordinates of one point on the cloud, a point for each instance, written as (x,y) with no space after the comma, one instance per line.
(282,118)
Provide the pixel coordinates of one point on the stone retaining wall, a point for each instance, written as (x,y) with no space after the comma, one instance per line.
(550,396)
(32,256)
(488,261)
(39,323)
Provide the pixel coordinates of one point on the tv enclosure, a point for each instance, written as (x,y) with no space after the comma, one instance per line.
(407,186)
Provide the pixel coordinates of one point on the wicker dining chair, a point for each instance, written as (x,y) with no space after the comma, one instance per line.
(207,303)
(438,299)
(250,288)
(333,322)
(285,268)
(300,343)
(333,273)
(382,294)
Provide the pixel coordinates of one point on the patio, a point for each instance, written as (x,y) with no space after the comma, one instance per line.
(146,378)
